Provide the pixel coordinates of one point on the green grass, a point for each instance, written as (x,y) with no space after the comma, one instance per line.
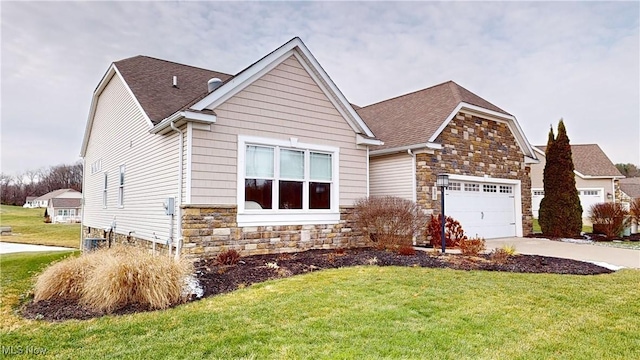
(361,312)
(538,230)
(27,226)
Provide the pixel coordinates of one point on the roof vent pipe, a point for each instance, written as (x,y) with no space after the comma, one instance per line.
(213,84)
(175,81)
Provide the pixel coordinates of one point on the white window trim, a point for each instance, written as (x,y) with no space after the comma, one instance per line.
(121,172)
(251,217)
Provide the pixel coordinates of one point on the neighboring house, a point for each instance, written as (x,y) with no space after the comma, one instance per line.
(268,160)
(44,200)
(30,202)
(65,210)
(596,177)
(629,189)
(446,129)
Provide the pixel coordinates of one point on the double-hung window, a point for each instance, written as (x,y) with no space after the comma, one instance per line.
(121,187)
(286,182)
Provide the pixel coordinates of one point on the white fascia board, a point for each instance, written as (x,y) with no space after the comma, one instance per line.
(483,179)
(296,48)
(587,177)
(361,140)
(511,121)
(181,117)
(528,160)
(428,145)
(539,151)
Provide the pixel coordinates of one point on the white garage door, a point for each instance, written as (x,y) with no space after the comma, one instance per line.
(588,197)
(483,209)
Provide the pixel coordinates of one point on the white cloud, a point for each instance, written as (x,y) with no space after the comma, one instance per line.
(539,61)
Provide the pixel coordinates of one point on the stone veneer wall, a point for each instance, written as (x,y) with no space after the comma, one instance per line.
(123,239)
(476,147)
(209,229)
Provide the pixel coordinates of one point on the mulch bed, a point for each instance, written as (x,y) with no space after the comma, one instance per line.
(217,279)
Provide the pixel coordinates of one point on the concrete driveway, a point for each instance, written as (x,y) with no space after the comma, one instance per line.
(6,248)
(584,252)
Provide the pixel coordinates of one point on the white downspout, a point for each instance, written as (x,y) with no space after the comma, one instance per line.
(414,194)
(613,189)
(178,243)
(368,175)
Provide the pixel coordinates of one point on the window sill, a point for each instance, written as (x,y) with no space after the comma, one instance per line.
(275,219)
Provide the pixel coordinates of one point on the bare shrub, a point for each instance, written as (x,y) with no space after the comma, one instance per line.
(453,233)
(608,219)
(406,250)
(228,257)
(635,210)
(390,222)
(500,255)
(129,275)
(472,247)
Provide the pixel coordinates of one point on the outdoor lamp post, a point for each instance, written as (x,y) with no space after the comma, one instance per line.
(442,181)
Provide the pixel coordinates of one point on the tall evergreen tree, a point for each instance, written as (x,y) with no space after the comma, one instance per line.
(560,210)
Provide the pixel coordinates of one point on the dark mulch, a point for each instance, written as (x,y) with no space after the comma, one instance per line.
(217,279)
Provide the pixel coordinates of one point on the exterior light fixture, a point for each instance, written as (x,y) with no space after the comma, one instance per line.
(442,181)
(609,196)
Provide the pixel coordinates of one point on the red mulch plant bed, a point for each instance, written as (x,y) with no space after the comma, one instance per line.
(217,279)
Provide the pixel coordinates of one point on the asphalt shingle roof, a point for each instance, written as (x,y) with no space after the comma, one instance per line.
(65,203)
(631,187)
(590,160)
(151,81)
(54,193)
(413,118)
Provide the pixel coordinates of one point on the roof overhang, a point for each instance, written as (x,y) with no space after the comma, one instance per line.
(399,149)
(361,140)
(510,120)
(180,118)
(586,177)
(295,47)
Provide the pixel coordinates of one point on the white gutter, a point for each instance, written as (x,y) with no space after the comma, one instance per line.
(180,115)
(178,242)
(428,145)
(414,194)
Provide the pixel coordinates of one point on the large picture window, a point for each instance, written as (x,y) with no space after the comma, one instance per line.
(285,177)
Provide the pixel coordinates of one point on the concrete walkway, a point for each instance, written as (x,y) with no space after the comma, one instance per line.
(628,258)
(7,248)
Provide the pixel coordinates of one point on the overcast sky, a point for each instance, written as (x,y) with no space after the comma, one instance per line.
(539,61)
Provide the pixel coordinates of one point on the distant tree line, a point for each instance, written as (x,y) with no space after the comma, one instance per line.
(628,170)
(15,189)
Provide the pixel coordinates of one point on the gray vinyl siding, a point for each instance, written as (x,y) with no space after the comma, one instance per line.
(120,136)
(284,103)
(392,175)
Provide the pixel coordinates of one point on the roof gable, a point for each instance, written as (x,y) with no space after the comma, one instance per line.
(590,160)
(294,47)
(151,82)
(55,193)
(419,117)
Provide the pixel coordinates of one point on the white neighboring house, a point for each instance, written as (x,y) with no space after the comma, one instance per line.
(43,201)
(65,210)
(30,202)
(596,177)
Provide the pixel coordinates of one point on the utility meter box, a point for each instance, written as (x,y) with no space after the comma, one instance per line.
(169,206)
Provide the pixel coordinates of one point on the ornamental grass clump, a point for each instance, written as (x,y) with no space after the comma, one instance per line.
(111,279)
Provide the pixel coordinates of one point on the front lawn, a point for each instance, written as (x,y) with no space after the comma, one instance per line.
(359,312)
(538,230)
(28,227)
